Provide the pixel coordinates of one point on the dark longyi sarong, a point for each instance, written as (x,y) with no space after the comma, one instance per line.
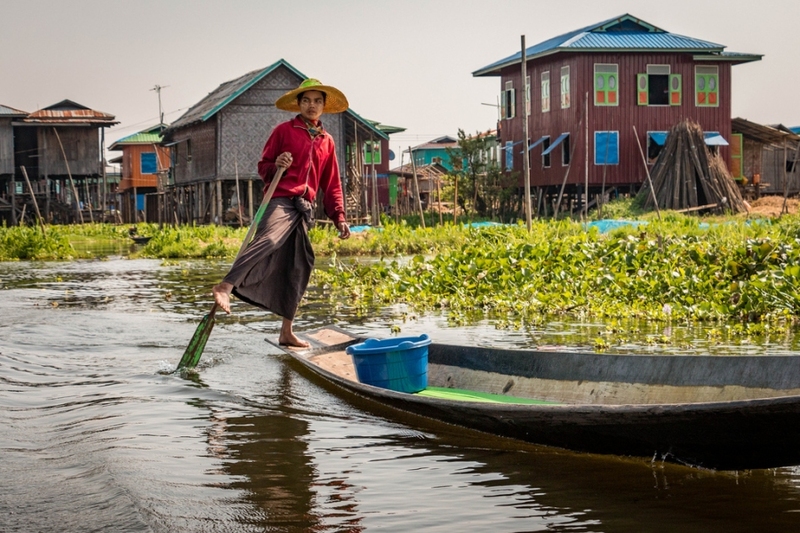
(274,269)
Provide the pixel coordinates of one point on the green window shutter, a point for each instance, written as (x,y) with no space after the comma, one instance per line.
(513,103)
(642,89)
(392,189)
(713,90)
(599,89)
(502,104)
(737,148)
(367,154)
(613,87)
(706,86)
(675,89)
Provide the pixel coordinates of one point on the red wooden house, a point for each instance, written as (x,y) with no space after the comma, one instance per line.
(587,90)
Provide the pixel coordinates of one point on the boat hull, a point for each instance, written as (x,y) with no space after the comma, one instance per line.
(734,434)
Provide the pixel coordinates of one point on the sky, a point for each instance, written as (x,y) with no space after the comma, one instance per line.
(405,63)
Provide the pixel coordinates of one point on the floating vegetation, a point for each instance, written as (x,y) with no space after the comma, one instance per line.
(674,269)
(23,243)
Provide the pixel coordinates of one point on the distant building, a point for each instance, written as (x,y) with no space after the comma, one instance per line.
(435,152)
(763,158)
(144,166)
(59,147)
(600,82)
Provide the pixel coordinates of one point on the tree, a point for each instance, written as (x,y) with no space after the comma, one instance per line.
(480,186)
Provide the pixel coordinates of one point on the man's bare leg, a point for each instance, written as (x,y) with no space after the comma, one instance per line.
(287,336)
(222,295)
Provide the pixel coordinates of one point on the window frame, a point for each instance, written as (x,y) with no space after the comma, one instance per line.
(606,76)
(152,164)
(606,158)
(565,150)
(544,80)
(707,94)
(565,94)
(546,159)
(509,100)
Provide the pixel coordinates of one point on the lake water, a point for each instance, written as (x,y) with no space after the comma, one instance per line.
(99,436)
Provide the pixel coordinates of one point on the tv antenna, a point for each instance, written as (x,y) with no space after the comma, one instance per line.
(157,88)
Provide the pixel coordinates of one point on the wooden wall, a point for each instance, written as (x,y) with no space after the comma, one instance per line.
(132,165)
(6,146)
(81,145)
(622,117)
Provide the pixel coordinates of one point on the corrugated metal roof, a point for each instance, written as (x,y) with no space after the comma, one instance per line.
(6,111)
(620,34)
(69,112)
(148,136)
(760,132)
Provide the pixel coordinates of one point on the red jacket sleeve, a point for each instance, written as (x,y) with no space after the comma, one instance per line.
(331,183)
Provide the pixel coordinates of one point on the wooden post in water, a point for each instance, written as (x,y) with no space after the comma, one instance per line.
(35,203)
(71,181)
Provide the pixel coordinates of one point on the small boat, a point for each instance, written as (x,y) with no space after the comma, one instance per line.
(716,412)
(139,239)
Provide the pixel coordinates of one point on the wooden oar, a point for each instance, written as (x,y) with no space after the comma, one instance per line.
(198,343)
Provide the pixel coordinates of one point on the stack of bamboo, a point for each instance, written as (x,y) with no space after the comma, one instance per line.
(687,177)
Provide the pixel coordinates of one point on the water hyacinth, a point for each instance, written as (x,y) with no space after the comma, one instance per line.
(668,270)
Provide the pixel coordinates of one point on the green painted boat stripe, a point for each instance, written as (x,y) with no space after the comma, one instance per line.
(462,395)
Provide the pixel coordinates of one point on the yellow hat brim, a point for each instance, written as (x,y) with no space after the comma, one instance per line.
(335,100)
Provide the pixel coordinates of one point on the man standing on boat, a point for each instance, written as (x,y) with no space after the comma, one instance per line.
(274,270)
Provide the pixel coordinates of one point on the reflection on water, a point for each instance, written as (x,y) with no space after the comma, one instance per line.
(97,438)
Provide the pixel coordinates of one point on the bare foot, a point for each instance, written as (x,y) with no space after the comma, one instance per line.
(222,295)
(290,339)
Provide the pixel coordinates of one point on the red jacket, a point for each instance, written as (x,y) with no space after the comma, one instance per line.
(314,166)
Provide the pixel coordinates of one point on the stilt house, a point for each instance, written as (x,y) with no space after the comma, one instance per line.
(763,158)
(60,148)
(586,91)
(216,145)
(144,166)
(8,186)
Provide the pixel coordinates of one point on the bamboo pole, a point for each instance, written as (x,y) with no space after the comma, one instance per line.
(35,203)
(416,187)
(238,191)
(586,157)
(647,170)
(785,208)
(71,181)
(566,175)
(526,169)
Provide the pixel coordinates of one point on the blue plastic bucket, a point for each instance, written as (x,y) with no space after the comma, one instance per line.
(399,364)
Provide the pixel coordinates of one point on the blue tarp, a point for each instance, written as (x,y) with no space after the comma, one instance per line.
(659,137)
(713,138)
(604,226)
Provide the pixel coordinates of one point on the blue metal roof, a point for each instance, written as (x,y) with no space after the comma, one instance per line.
(796,129)
(620,34)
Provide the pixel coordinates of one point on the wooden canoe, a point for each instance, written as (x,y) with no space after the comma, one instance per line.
(719,412)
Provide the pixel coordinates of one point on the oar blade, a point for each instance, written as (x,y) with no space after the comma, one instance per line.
(194,351)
